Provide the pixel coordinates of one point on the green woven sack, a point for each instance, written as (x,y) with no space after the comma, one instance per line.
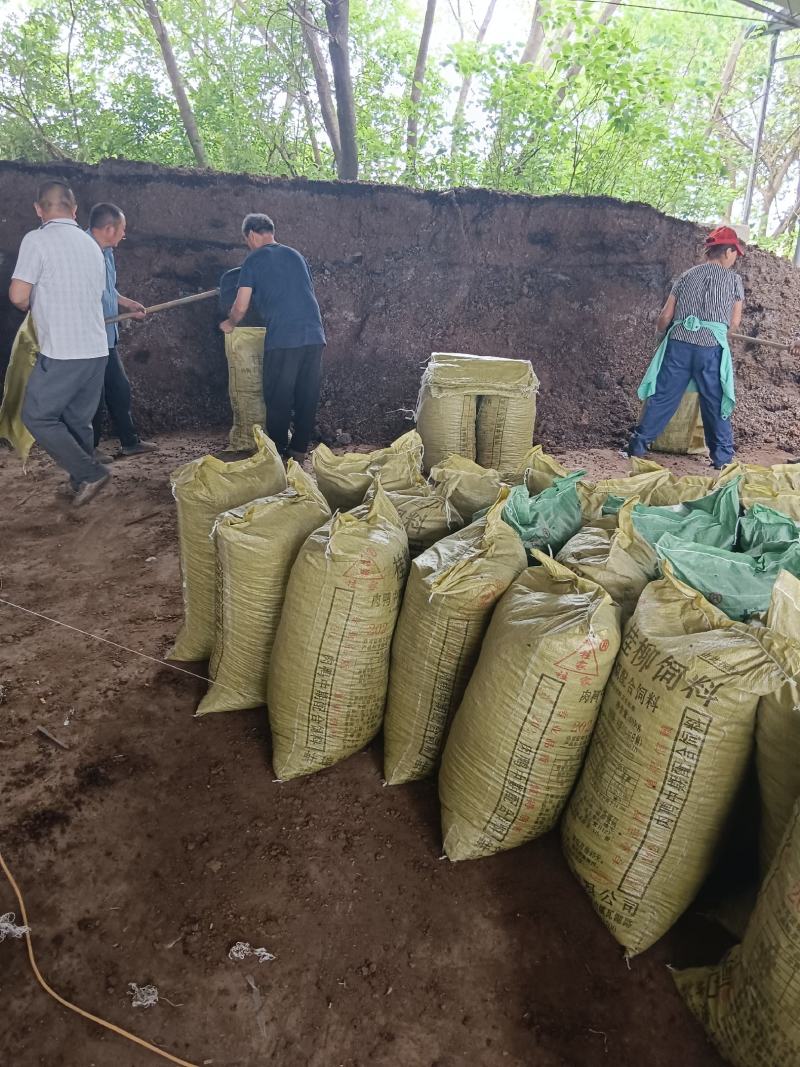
(737,584)
(549,519)
(711,520)
(761,526)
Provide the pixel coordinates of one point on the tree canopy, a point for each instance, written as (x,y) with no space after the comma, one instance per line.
(576,96)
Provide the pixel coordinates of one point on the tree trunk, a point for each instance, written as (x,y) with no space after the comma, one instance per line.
(605,17)
(330,119)
(337,16)
(535,37)
(728,72)
(466,84)
(185,108)
(416,85)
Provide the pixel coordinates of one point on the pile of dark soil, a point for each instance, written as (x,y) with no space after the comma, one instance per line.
(573,284)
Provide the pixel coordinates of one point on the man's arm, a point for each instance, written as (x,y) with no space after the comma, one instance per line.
(19,293)
(667,313)
(26,273)
(244,295)
(736,314)
(132,305)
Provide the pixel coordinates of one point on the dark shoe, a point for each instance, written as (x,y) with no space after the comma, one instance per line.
(88,490)
(103,457)
(298,457)
(66,490)
(139,448)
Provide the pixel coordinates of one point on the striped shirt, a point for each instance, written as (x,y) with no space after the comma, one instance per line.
(68,274)
(709,292)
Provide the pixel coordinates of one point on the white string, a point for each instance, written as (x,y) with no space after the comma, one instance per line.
(124,648)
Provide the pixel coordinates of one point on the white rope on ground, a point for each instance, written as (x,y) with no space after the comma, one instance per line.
(134,652)
(66,1003)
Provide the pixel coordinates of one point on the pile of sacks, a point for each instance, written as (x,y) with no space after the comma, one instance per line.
(606,656)
(478,407)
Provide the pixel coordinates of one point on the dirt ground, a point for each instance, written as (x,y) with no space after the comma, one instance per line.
(157,840)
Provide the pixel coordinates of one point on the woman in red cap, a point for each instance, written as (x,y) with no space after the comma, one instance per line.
(694,353)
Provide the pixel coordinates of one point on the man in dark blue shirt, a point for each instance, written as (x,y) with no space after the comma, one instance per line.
(277,279)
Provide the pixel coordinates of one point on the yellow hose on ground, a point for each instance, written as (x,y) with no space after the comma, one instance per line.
(65,1003)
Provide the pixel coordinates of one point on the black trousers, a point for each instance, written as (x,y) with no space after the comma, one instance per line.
(116,396)
(292,380)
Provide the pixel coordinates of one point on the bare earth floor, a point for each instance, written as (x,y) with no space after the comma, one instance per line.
(157,840)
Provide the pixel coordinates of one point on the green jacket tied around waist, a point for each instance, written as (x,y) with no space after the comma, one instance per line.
(693,324)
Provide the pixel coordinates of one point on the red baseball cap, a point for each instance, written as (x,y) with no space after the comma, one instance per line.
(725,235)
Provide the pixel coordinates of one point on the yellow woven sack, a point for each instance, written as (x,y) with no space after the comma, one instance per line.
(256,545)
(787,501)
(750,1002)
(674,489)
(447,408)
(451,593)
(778,729)
(518,739)
(619,561)
(344,480)
(670,749)
(426,514)
(684,433)
(20,364)
(244,351)
(468,486)
(203,489)
(505,427)
(538,470)
(330,662)
(593,495)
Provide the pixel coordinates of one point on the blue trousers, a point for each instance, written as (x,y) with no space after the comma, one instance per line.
(683,362)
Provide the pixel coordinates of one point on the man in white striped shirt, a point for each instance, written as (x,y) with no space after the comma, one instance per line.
(60,276)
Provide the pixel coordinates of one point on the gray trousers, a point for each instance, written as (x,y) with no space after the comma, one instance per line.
(60,402)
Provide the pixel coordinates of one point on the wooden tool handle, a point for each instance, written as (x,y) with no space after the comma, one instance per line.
(169,304)
(783,345)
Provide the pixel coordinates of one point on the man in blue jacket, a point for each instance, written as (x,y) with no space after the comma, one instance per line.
(277,279)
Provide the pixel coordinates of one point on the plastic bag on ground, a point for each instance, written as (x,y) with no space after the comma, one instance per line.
(20,364)
(738,584)
(256,545)
(345,479)
(203,489)
(670,749)
(549,519)
(469,487)
(330,662)
(244,351)
(593,495)
(518,739)
(778,729)
(426,514)
(750,1002)
(710,520)
(761,526)
(451,593)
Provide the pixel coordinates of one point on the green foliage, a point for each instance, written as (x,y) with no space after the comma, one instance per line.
(623,109)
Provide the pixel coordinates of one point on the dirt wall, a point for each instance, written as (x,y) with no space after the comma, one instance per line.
(573,284)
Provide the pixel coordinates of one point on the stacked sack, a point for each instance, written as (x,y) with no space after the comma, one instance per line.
(477,407)
(518,738)
(451,592)
(330,662)
(203,489)
(344,480)
(256,546)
